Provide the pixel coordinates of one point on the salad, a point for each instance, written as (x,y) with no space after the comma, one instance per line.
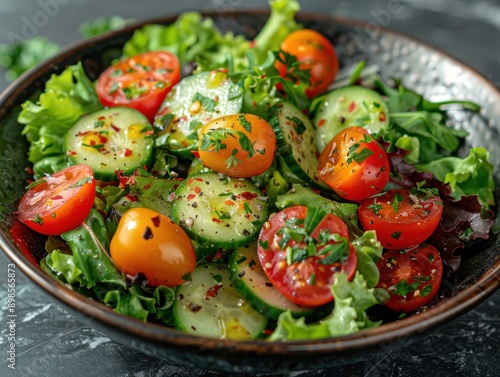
(219,185)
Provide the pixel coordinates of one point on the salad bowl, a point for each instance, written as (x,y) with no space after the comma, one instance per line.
(426,70)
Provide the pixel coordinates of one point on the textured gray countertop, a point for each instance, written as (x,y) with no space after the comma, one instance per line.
(50,342)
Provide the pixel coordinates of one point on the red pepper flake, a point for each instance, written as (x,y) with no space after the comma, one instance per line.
(103,139)
(82,133)
(147,187)
(127,152)
(29,170)
(150,132)
(198,179)
(115,128)
(212,291)
(216,220)
(247,195)
(197,189)
(268,332)
(322,122)
(382,117)
(132,198)
(352,107)
(57,197)
(191,197)
(71,153)
(229,203)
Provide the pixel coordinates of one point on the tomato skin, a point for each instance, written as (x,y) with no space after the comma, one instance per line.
(150,243)
(410,226)
(421,265)
(154,72)
(294,280)
(349,179)
(60,202)
(232,127)
(316,53)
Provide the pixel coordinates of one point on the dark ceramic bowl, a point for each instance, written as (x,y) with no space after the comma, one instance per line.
(431,72)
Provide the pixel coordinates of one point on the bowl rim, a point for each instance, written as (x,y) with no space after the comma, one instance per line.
(449,309)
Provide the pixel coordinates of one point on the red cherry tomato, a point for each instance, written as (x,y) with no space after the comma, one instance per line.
(238,145)
(140,82)
(150,243)
(401,218)
(59,202)
(412,277)
(354,165)
(315,52)
(286,258)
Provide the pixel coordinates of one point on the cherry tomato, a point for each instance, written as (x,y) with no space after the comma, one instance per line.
(304,278)
(412,277)
(239,145)
(140,82)
(314,52)
(59,202)
(401,218)
(150,243)
(354,165)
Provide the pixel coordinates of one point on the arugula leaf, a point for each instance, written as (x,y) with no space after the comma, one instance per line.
(18,57)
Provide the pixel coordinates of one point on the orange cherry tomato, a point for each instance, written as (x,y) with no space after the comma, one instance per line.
(354,165)
(401,218)
(315,52)
(412,277)
(239,145)
(59,202)
(140,82)
(150,243)
(285,256)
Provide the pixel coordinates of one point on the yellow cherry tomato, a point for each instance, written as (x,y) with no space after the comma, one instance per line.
(239,145)
(150,243)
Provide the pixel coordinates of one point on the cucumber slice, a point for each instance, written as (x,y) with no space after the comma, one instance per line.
(208,305)
(295,136)
(219,211)
(251,281)
(111,140)
(349,106)
(192,103)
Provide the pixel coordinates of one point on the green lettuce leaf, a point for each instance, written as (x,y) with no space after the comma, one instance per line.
(368,251)
(188,37)
(471,175)
(89,243)
(352,299)
(101,25)
(66,98)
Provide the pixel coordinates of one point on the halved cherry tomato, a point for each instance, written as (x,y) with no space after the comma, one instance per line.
(294,258)
(354,165)
(140,82)
(150,243)
(412,277)
(239,145)
(315,52)
(59,202)
(401,218)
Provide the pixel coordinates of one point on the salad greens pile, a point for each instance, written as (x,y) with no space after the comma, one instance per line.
(421,148)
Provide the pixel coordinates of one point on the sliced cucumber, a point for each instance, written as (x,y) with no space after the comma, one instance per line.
(110,140)
(208,305)
(349,106)
(251,281)
(219,211)
(191,104)
(295,136)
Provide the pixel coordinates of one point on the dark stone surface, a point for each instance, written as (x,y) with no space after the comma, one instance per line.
(51,342)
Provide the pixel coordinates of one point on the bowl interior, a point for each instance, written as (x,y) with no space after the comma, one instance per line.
(421,68)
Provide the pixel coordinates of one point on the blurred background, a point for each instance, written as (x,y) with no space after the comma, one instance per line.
(53,343)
